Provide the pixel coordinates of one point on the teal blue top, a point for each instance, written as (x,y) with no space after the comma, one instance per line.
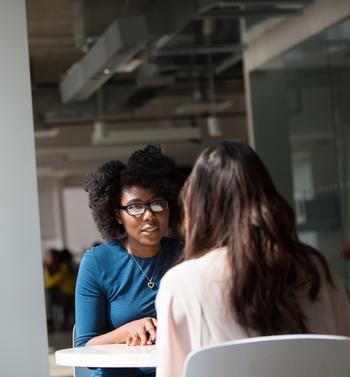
(111,290)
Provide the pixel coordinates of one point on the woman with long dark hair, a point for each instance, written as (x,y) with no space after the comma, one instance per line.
(245,271)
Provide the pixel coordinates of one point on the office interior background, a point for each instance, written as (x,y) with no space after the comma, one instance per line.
(87,81)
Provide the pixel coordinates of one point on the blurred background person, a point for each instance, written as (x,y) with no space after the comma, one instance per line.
(59,282)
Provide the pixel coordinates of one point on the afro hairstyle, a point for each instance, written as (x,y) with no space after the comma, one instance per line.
(148,168)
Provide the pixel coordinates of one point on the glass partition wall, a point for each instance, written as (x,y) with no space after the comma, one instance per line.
(301,115)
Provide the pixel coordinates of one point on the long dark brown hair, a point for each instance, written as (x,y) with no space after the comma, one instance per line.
(230,200)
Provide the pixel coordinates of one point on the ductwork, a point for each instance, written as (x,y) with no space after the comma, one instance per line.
(92,18)
(116,48)
(122,48)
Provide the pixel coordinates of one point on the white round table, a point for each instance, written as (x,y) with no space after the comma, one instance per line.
(108,356)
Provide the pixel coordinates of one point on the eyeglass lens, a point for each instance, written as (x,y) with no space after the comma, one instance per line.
(139,209)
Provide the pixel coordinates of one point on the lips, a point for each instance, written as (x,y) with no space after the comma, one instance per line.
(150,229)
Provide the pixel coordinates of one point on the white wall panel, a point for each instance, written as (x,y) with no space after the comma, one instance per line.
(23,346)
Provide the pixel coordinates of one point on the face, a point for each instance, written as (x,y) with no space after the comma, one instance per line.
(48,257)
(144,230)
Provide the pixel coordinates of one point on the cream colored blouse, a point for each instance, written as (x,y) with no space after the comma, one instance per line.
(193,312)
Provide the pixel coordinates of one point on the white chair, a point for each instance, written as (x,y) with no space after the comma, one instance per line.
(80,371)
(273,356)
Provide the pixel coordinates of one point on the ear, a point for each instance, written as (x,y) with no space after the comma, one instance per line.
(117,217)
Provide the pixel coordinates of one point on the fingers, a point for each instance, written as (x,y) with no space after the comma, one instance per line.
(147,333)
(144,332)
(143,337)
(151,329)
(136,340)
(133,340)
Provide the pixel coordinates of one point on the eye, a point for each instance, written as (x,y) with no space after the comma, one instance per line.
(159,205)
(136,207)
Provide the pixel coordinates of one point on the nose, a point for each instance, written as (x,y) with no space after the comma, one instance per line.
(149,215)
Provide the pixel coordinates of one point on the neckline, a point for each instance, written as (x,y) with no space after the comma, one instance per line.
(144,259)
(124,250)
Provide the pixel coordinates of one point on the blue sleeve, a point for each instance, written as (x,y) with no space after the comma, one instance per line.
(90,301)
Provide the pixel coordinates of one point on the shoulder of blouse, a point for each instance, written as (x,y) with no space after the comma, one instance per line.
(193,269)
(103,248)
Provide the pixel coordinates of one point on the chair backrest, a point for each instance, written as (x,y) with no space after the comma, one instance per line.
(80,371)
(273,356)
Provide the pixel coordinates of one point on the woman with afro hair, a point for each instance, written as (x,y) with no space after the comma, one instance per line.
(133,206)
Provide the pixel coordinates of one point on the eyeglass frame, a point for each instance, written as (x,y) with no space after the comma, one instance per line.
(147,207)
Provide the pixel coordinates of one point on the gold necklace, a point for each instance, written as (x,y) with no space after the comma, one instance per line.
(150,283)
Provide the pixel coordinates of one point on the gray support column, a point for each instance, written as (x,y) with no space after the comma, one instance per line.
(23,345)
(269,130)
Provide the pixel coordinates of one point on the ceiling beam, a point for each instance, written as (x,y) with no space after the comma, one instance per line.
(199,50)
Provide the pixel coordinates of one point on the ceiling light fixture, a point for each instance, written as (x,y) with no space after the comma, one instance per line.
(46,134)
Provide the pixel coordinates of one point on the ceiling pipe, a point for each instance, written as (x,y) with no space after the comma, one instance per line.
(228,63)
(228,15)
(88,121)
(150,135)
(200,50)
(123,47)
(259,3)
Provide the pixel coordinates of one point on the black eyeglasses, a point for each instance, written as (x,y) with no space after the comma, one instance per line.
(138,209)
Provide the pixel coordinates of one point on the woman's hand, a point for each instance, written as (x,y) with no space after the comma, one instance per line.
(141,332)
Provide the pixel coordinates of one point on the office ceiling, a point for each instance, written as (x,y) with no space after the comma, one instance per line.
(160,81)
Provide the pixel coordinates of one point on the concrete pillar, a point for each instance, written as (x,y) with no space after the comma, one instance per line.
(271,129)
(51,212)
(23,345)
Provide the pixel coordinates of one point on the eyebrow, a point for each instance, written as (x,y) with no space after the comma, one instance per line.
(139,201)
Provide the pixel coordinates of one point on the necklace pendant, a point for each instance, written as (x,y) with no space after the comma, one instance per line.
(150,284)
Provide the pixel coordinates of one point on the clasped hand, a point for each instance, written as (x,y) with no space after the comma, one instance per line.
(141,332)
